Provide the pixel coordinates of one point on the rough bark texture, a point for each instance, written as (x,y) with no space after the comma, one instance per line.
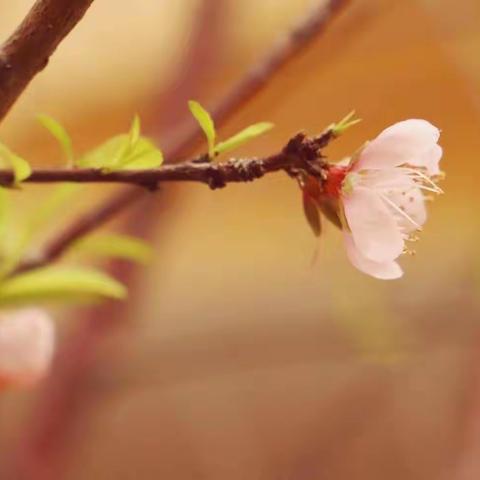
(29,48)
(300,154)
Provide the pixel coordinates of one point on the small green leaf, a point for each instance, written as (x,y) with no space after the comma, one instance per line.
(5,220)
(115,154)
(17,233)
(106,155)
(206,123)
(243,136)
(60,196)
(24,232)
(115,245)
(124,152)
(134,134)
(343,125)
(4,212)
(60,134)
(142,155)
(59,283)
(312,214)
(21,168)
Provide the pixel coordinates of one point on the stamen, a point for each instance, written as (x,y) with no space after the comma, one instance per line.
(425,178)
(401,212)
(430,181)
(428,189)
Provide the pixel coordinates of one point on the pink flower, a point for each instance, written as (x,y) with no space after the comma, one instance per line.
(27,340)
(381,195)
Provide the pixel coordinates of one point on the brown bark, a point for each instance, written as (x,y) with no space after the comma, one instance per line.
(29,48)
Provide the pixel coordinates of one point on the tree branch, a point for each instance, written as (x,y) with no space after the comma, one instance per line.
(214,174)
(300,154)
(29,48)
(287,47)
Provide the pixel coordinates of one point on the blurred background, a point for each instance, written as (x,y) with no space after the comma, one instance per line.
(234,357)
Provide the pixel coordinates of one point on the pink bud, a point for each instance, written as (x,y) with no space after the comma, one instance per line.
(27,340)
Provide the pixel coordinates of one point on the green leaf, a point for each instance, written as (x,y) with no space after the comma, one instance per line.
(5,224)
(35,222)
(312,214)
(243,136)
(21,168)
(124,152)
(206,124)
(59,283)
(60,134)
(61,195)
(4,213)
(115,245)
(119,154)
(343,125)
(134,133)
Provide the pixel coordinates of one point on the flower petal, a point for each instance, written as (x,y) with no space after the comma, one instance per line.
(403,143)
(373,225)
(430,160)
(389,270)
(27,341)
(385,179)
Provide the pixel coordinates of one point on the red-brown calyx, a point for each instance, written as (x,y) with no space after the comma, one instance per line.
(333,183)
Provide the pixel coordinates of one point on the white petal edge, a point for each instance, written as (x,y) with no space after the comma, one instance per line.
(430,159)
(381,270)
(402,143)
(373,225)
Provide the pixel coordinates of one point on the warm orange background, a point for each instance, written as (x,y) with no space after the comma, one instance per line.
(241,360)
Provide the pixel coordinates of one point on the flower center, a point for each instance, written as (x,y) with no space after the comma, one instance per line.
(349,182)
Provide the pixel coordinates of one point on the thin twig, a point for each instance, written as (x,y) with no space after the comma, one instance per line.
(287,48)
(300,153)
(29,48)
(216,175)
